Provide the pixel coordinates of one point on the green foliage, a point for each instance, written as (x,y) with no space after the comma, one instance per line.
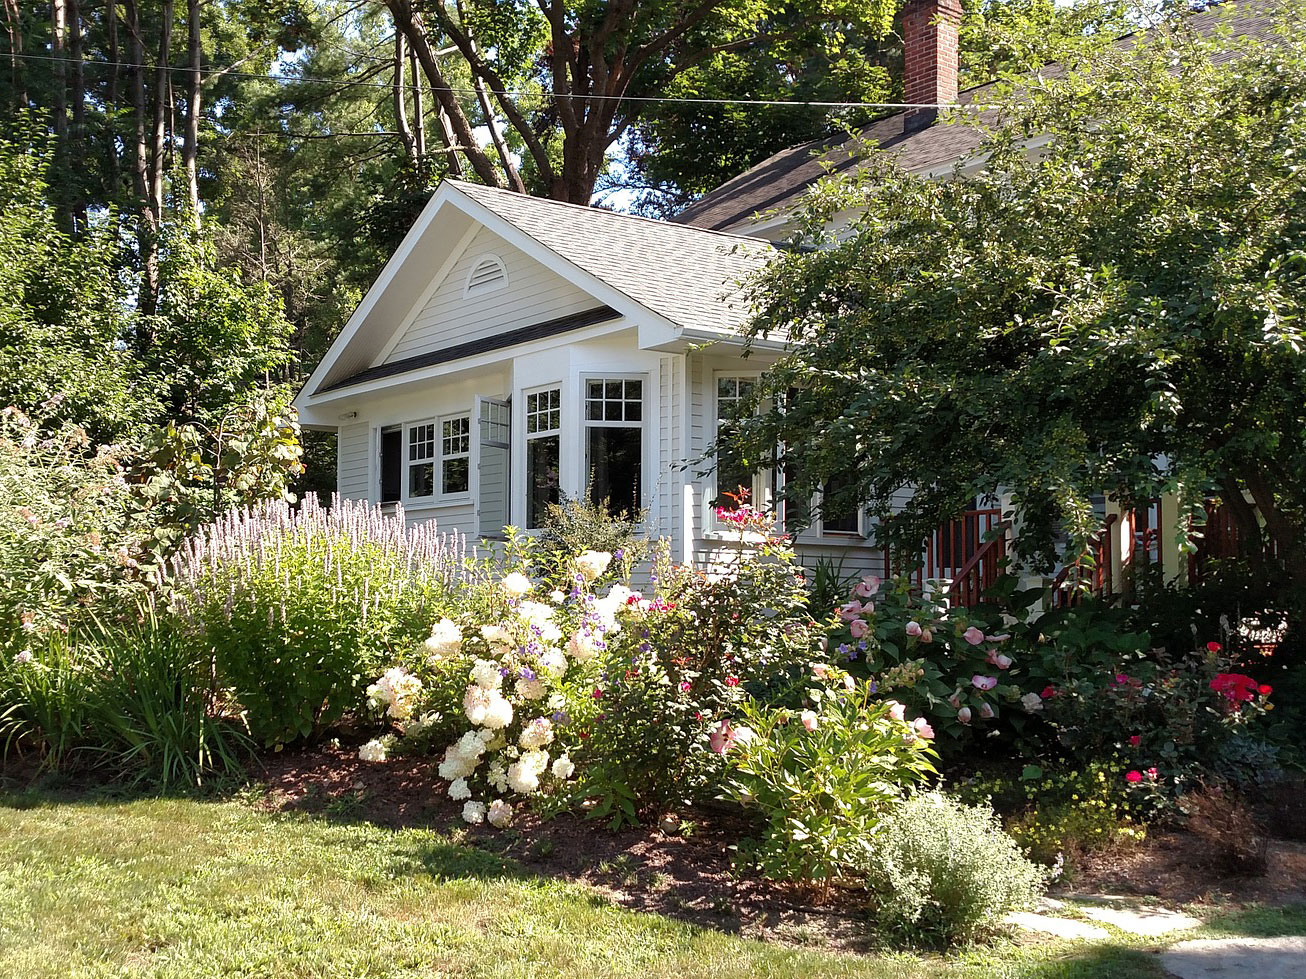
(299,608)
(824,781)
(1114,267)
(71,532)
(1005,38)
(1059,811)
(573,526)
(944,872)
(139,700)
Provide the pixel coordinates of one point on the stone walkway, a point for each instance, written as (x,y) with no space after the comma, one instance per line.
(1206,958)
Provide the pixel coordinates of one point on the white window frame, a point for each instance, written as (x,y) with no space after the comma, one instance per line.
(465,496)
(860,534)
(528,435)
(405,487)
(761,497)
(643,426)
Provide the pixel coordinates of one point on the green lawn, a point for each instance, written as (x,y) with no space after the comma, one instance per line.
(185,888)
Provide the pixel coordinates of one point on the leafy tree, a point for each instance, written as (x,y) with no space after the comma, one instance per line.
(1117,312)
(562,82)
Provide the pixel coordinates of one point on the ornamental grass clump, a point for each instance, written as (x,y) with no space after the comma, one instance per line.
(300,606)
(941,872)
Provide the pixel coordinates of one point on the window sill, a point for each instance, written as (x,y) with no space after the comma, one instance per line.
(434,503)
(734,537)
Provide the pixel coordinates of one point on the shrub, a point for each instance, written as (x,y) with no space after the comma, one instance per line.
(300,607)
(824,779)
(140,700)
(945,872)
(573,526)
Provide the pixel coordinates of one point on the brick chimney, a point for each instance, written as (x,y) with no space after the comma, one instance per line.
(929,58)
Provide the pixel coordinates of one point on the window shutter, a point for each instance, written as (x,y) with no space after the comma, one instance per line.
(493,437)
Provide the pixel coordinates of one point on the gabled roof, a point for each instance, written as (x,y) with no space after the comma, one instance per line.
(778,181)
(674,279)
(688,275)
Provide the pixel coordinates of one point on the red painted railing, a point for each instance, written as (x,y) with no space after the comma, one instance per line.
(969,551)
(1093,574)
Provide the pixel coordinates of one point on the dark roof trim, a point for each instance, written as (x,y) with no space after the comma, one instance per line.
(538,331)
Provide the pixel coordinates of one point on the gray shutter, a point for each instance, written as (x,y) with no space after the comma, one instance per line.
(493,430)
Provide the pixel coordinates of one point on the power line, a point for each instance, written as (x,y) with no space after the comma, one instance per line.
(507,93)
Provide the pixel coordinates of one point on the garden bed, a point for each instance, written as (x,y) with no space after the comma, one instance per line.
(690,875)
(686,874)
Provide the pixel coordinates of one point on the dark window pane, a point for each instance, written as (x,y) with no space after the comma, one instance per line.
(594,411)
(731,473)
(541,477)
(455,476)
(421,480)
(634,411)
(634,390)
(839,517)
(595,389)
(612,390)
(613,411)
(615,463)
(392,465)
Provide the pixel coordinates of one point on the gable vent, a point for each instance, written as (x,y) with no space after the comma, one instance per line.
(487,274)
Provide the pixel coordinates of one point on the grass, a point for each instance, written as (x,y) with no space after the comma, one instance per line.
(169,887)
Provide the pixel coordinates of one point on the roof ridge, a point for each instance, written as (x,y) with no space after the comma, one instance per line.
(590,208)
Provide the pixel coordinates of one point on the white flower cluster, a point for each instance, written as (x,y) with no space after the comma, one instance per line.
(462,757)
(536,734)
(395,691)
(591,564)
(445,642)
(373,751)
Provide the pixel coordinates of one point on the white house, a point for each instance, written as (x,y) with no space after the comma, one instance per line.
(515,348)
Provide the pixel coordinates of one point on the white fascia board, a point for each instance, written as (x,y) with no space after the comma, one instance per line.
(382,283)
(320,406)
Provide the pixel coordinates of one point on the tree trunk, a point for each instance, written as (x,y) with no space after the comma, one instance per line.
(162,86)
(112,175)
(194,97)
(147,229)
(487,110)
(59,54)
(419,112)
(400,98)
(77,132)
(14,28)
(462,136)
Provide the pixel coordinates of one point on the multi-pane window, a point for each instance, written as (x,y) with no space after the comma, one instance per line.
(421,460)
(732,472)
(838,515)
(543,452)
(455,454)
(614,443)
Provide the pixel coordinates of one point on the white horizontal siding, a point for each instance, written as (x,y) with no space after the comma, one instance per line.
(533,295)
(447,519)
(353,472)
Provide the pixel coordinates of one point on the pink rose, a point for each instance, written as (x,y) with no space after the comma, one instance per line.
(981,682)
(858,628)
(809,719)
(1002,662)
(927,636)
(922,728)
(850,611)
(973,636)
(963,715)
(896,710)
(913,628)
(867,587)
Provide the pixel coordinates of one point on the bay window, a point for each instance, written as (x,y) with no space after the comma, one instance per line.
(421,461)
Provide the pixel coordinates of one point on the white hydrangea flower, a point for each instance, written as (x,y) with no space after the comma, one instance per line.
(395,690)
(516,584)
(536,734)
(459,790)
(446,640)
(593,563)
(553,662)
(498,715)
(583,646)
(563,768)
(498,776)
(523,779)
(536,613)
(531,689)
(474,813)
(374,750)
(476,703)
(557,597)
(499,814)
(497,638)
(485,674)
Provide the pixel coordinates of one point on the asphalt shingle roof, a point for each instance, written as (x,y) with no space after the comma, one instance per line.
(778,181)
(686,274)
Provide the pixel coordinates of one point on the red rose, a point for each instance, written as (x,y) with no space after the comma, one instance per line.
(1213,647)
(598,694)
(732,681)
(1048,693)
(1265,690)
(1236,688)
(1133,776)
(1135,740)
